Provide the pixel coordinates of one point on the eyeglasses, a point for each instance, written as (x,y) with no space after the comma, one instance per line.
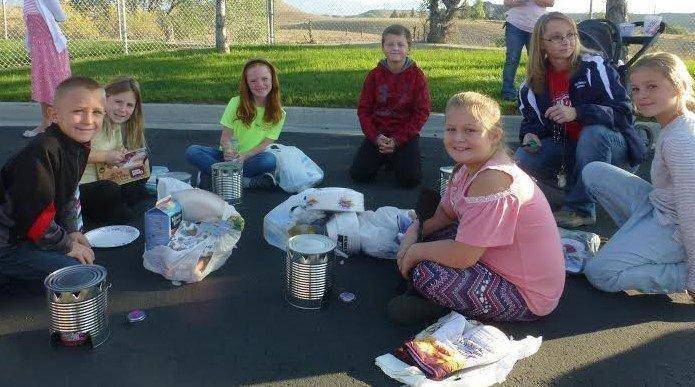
(557,39)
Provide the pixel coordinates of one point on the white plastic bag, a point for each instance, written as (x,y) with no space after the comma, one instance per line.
(200,205)
(295,171)
(168,186)
(578,247)
(493,368)
(280,219)
(379,231)
(195,250)
(344,229)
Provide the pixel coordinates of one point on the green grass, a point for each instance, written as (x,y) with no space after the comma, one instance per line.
(320,76)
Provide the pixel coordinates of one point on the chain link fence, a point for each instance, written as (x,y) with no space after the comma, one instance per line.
(103,28)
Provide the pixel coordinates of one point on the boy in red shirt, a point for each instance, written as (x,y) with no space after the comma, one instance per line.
(393,107)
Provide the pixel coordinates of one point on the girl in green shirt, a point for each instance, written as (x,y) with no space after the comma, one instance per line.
(251,121)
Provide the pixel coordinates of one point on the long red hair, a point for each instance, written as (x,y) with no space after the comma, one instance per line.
(246,111)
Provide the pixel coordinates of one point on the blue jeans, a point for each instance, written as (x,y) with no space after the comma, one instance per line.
(644,254)
(27,262)
(515,39)
(204,156)
(596,143)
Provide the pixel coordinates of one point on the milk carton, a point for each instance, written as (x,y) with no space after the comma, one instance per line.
(161,222)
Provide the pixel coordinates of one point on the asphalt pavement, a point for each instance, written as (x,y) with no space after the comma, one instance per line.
(234,327)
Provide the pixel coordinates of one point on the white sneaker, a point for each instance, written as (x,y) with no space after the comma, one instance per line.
(33,132)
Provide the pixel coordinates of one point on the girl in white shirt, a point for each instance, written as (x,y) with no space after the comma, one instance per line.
(654,249)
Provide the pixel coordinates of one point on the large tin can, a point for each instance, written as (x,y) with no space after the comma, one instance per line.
(226,180)
(77,300)
(308,270)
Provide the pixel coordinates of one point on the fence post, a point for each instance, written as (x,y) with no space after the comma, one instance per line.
(4,18)
(120,20)
(220,29)
(591,9)
(125,27)
(271,21)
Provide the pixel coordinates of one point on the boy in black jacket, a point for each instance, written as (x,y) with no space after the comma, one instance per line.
(38,213)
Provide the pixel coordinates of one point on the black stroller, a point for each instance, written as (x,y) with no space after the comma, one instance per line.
(603,36)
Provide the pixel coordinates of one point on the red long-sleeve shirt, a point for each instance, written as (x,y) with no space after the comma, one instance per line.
(395,105)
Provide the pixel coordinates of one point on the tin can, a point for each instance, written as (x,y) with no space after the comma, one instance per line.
(308,270)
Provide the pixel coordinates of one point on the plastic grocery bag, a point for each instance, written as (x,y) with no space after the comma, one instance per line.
(167,186)
(344,229)
(295,171)
(489,354)
(278,222)
(196,249)
(578,247)
(200,205)
(379,231)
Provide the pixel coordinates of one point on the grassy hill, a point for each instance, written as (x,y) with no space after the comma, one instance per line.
(684,20)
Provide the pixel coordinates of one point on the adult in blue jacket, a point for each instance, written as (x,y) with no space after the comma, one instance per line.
(575,111)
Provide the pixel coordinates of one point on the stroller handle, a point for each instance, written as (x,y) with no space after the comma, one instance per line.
(645,41)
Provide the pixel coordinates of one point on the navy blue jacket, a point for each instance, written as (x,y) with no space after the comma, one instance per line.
(600,99)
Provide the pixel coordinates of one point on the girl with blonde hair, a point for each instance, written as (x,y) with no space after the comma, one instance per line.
(491,250)
(654,249)
(575,111)
(102,199)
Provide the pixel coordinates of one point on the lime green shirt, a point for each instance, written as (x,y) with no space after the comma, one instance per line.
(248,137)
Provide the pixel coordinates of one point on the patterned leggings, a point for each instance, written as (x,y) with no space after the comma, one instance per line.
(476,291)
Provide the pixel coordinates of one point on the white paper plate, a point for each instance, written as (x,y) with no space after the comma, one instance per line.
(112,236)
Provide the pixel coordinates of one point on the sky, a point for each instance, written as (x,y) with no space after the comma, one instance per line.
(351,7)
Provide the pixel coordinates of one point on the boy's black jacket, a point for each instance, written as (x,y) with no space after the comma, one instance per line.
(37,191)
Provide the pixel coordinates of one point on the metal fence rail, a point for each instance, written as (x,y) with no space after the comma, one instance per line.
(103,28)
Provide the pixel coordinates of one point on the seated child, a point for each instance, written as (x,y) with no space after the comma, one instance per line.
(104,200)
(394,105)
(38,214)
(575,111)
(654,249)
(252,121)
(491,250)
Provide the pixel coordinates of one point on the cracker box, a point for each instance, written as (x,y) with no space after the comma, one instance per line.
(161,222)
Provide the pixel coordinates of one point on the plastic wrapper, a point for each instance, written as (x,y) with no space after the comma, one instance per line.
(485,353)
(196,249)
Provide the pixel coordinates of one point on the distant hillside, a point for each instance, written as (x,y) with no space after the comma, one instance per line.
(287,13)
(378,13)
(684,20)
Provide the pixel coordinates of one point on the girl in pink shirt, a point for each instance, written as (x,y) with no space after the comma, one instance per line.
(492,249)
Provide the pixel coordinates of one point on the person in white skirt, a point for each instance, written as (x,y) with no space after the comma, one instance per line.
(47,46)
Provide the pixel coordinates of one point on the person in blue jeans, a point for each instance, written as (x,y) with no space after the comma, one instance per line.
(39,218)
(521,18)
(575,111)
(653,250)
(251,122)
(257,165)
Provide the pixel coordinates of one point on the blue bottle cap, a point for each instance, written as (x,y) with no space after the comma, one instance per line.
(136,316)
(347,297)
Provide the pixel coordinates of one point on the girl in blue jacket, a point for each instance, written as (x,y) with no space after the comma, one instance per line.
(575,111)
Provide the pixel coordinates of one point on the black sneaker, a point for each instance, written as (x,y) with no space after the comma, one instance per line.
(411,309)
